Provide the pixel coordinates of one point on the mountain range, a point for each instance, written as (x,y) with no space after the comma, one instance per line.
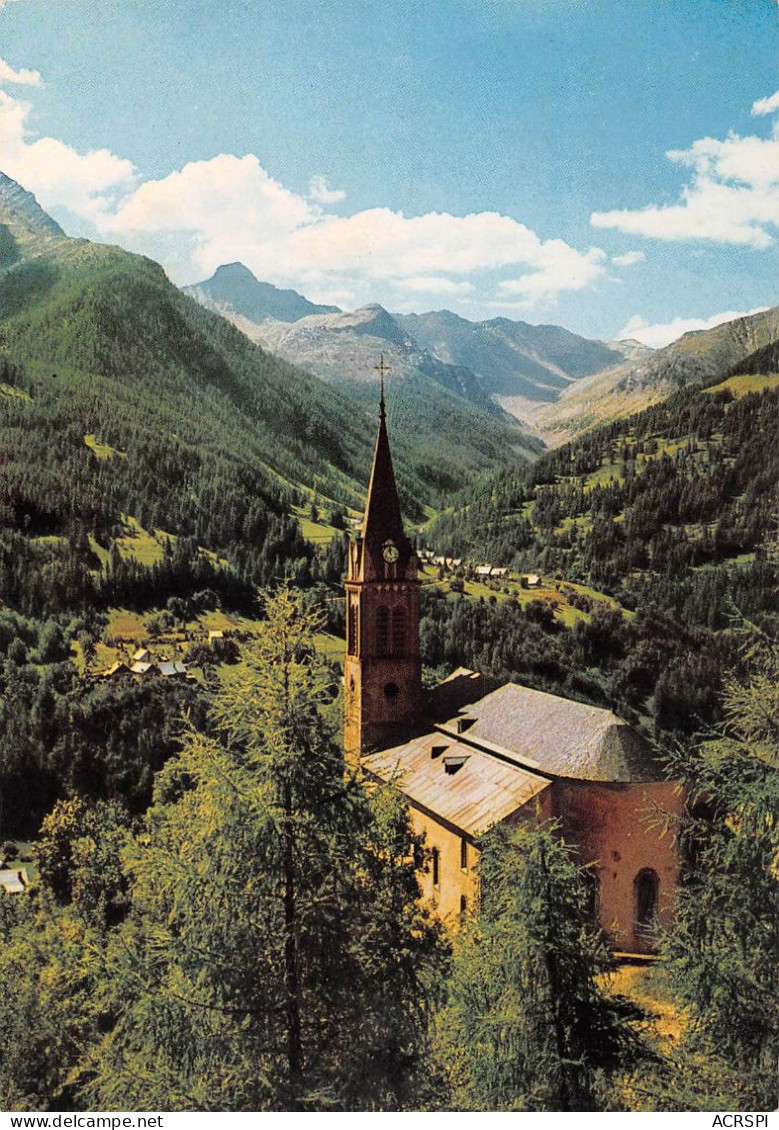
(518,363)
(557,384)
(497,364)
(748,344)
(200,430)
(438,406)
(286,395)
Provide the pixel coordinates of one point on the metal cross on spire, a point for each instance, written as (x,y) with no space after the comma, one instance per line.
(381,369)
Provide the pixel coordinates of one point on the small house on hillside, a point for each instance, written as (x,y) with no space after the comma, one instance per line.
(172,670)
(116,670)
(483,570)
(14,880)
(143,668)
(142,655)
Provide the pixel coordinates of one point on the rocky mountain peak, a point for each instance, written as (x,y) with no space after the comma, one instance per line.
(234,288)
(22,215)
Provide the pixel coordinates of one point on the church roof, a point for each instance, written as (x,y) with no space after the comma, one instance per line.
(557,736)
(470,789)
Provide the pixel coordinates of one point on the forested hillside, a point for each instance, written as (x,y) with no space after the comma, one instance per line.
(148,453)
(673,514)
(685,485)
(693,360)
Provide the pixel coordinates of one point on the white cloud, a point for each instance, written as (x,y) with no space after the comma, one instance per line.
(629,259)
(229,208)
(86,184)
(436,285)
(320,192)
(661,334)
(23,77)
(561,268)
(226,201)
(732,197)
(766,105)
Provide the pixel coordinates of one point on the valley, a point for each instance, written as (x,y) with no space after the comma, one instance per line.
(158,466)
(174,471)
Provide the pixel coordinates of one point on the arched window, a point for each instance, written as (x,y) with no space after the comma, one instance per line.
(382,630)
(646,887)
(436,862)
(353,613)
(398,631)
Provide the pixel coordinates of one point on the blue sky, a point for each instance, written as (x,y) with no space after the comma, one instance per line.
(609,165)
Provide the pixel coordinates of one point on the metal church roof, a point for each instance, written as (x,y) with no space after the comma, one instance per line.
(470,789)
(557,736)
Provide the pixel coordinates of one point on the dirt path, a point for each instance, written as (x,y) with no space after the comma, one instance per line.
(641,984)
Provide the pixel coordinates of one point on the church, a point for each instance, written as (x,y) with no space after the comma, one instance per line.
(468,756)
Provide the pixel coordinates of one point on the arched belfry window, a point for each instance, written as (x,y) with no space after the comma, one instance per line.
(398,631)
(646,888)
(353,627)
(382,630)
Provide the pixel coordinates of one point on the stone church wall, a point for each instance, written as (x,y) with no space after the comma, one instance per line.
(618,829)
(456,883)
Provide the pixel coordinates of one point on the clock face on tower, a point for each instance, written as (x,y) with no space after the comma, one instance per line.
(390,552)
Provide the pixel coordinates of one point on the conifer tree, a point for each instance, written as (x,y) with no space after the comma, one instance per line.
(276,956)
(722,950)
(527,1026)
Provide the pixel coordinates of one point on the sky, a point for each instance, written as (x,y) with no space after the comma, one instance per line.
(611,166)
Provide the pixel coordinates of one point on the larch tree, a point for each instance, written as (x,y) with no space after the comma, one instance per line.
(722,951)
(527,1025)
(275,956)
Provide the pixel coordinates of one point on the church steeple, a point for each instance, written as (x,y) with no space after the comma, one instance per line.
(382,668)
(382,540)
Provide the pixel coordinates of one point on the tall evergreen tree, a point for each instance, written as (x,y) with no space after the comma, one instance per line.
(527,1026)
(722,951)
(276,955)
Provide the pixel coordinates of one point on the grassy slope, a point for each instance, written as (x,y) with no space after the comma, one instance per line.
(627,389)
(743,384)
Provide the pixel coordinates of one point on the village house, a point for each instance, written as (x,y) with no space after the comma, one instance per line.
(14,880)
(172,670)
(469,756)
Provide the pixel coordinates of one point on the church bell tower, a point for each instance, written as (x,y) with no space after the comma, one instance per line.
(382,670)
